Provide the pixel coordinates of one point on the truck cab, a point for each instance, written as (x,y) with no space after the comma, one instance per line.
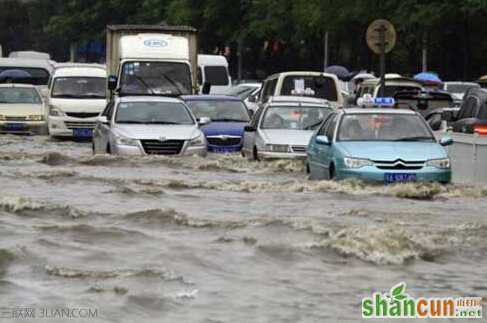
(152,60)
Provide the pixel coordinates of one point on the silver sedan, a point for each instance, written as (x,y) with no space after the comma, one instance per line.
(148,126)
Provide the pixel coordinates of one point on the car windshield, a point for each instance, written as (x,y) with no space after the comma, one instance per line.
(79,87)
(241,91)
(25,75)
(153,113)
(159,78)
(294,118)
(216,110)
(19,95)
(323,87)
(384,127)
(460,88)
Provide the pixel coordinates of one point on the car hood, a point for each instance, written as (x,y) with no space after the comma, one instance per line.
(79,105)
(287,137)
(170,132)
(21,110)
(391,151)
(224,128)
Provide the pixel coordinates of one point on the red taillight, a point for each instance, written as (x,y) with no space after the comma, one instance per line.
(480,130)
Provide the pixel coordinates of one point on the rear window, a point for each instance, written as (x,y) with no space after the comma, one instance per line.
(323,87)
(34,76)
(216,75)
(390,91)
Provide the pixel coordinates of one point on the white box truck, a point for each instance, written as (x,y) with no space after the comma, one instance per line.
(152,60)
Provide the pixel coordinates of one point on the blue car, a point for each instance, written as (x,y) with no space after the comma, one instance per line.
(228,116)
(378,145)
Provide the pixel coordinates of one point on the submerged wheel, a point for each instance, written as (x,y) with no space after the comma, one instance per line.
(256,154)
(308,170)
(332,174)
(109,150)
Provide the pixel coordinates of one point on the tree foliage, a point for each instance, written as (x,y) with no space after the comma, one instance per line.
(276,34)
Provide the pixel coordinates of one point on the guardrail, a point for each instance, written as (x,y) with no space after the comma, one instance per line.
(469,158)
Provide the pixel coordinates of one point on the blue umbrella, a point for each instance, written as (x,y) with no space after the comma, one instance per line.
(341,72)
(430,78)
(14,74)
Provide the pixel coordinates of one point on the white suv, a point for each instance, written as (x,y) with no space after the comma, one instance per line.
(77,95)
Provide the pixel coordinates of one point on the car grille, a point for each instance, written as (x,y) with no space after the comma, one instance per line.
(79,125)
(81,115)
(224,140)
(399,165)
(15,118)
(299,149)
(156,147)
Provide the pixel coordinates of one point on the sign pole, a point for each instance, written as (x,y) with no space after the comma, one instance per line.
(382,36)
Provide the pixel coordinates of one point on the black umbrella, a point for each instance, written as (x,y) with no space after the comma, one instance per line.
(14,75)
(340,71)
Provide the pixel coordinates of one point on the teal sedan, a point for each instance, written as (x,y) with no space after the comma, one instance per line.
(378,145)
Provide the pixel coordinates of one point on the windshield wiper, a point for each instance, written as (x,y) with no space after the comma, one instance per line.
(313,125)
(173,84)
(229,120)
(144,83)
(162,122)
(418,138)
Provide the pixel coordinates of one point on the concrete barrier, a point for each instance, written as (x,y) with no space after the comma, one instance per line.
(469,158)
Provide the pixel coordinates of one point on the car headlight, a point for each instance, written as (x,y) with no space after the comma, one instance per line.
(444,163)
(124,141)
(277,148)
(357,162)
(34,118)
(55,112)
(198,141)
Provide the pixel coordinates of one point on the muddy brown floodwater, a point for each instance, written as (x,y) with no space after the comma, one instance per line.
(222,239)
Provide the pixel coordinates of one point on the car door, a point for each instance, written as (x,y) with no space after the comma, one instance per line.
(319,153)
(101,133)
(249,136)
(467,115)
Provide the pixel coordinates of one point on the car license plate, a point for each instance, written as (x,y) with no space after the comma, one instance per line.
(391,178)
(15,126)
(83,133)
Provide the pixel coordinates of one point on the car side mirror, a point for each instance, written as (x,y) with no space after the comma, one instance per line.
(44,93)
(112,82)
(446,141)
(249,129)
(253,98)
(322,140)
(102,120)
(203,121)
(206,88)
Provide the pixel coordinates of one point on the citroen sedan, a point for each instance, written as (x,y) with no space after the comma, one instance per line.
(148,126)
(378,145)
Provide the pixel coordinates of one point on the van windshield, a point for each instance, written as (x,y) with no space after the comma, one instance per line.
(156,78)
(79,87)
(323,87)
(216,75)
(25,75)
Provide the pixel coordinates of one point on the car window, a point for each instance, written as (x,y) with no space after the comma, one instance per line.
(269,89)
(200,76)
(294,117)
(483,112)
(322,86)
(19,95)
(325,124)
(216,75)
(330,130)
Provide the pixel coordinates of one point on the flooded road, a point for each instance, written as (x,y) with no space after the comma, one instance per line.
(222,239)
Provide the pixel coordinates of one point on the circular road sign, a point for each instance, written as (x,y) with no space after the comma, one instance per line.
(374,36)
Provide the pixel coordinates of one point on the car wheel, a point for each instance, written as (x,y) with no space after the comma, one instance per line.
(332,174)
(308,170)
(109,150)
(256,154)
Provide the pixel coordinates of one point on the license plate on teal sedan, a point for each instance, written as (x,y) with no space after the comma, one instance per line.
(82,133)
(391,178)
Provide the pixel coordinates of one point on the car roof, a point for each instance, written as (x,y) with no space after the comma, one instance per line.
(147,98)
(80,70)
(27,63)
(302,73)
(297,100)
(210,98)
(378,111)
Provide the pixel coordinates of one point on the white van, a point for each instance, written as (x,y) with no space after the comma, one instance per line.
(31,71)
(77,95)
(213,69)
(312,84)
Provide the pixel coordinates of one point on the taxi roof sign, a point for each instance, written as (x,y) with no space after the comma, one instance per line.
(384,102)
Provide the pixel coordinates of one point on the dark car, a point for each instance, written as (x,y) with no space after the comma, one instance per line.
(429,103)
(228,115)
(472,117)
